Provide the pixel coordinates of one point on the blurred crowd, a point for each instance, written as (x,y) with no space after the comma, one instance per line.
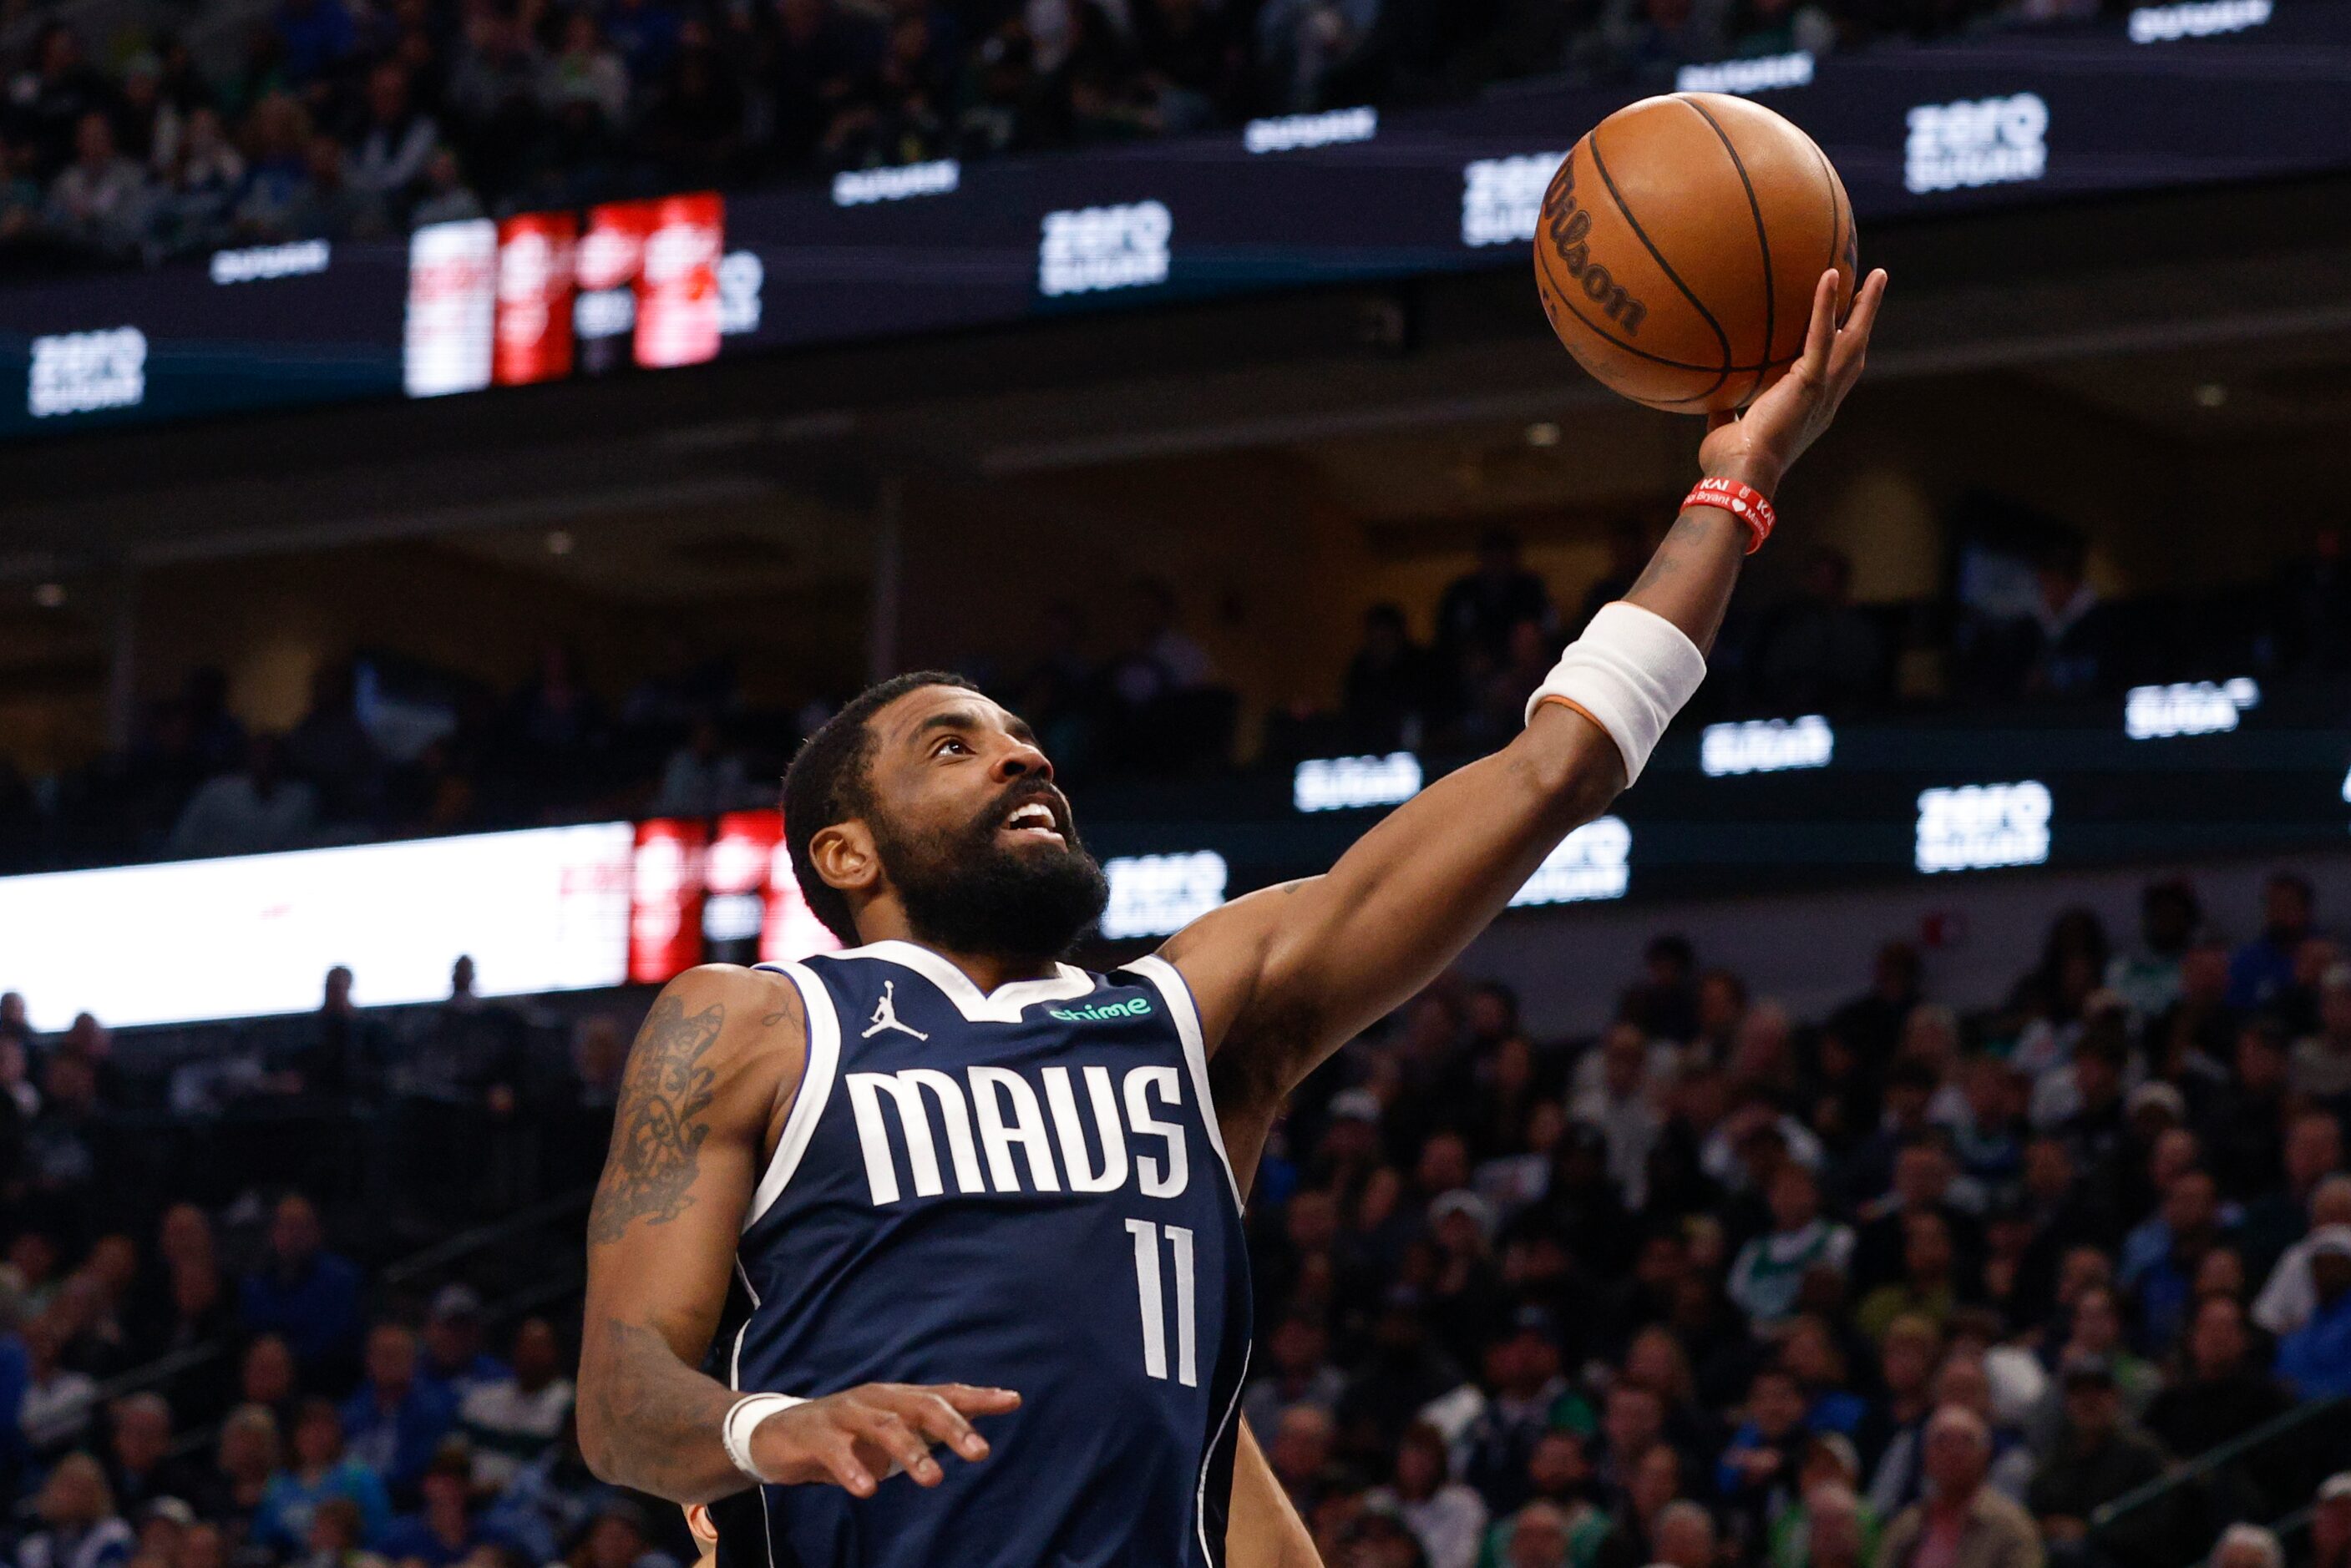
(1920,1282)
(1123,690)
(2023,624)
(1908,1285)
(355,119)
(193,1373)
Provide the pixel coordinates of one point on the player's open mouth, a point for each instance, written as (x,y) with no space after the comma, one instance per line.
(1034,820)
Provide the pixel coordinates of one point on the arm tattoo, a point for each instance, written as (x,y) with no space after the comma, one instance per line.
(657,1137)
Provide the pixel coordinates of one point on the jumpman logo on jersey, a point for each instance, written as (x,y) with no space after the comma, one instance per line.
(885,1015)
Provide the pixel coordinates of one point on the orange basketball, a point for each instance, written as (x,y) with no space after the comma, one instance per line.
(1679,245)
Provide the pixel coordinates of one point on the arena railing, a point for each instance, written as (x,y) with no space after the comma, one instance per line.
(2267,1473)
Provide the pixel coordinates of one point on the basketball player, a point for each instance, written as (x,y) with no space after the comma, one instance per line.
(943,1205)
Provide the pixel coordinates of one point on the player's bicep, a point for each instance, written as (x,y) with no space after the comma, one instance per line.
(687,1136)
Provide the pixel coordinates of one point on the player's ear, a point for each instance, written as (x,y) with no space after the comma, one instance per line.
(844,856)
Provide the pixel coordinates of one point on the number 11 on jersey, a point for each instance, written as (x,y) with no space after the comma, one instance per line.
(1154,1300)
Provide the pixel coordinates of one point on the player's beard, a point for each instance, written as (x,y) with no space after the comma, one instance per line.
(969,892)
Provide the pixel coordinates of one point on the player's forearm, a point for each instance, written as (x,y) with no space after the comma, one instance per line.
(648,1420)
(1688,580)
(1263,1530)
(1345,947)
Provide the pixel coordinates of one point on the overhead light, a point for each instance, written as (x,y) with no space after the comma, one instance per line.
(2211,395)
(49,596)
(560,541)
(1543,432)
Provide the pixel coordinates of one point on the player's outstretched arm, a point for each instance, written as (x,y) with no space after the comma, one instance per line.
(718,1058)
(1284,976)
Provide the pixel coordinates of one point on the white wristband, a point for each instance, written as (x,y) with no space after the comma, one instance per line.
(1631,670)
(743,1419)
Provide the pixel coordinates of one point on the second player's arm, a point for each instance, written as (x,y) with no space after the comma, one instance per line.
(1290,973)
(717,1060)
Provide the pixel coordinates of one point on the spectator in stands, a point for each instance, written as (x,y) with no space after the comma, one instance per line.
(619,1538)
(1387,690)
(329,206)
(246,1458)
(2261,973)
(2069,630)
(1478,610)
(2224,1394)
(453,1356)
(704,777)
(1834,1529)
(1768,1277)
(445,197)
(2330,1523)
(258,808)
(100,201)
(269,1379)
(386,164)
(2315,1360)
(54,1414)
(2281,1215)
(330,749)
(1963,1522)
(2248,1546)
(2288,1297)
(2148,979)
(200,184)
(277,135)
(79,1527)
(2321,1061)
(1446,1517)
(586,71)
(2097,1457)
(2160,1258)
(459,1099)
(395,1420)
(319,1472)
(141,1466)
(1815,653)
(304,1293)
(512,1422)
(337,1528)
(443,1531)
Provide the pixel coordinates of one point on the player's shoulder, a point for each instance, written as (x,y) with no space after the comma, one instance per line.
(747,1000)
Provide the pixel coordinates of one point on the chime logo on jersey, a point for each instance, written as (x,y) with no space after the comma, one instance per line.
(993,1123)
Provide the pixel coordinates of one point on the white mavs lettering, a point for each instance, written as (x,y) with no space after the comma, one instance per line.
(994,1111)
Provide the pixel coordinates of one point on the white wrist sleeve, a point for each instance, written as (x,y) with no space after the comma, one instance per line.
(744,1420)
(1631,670)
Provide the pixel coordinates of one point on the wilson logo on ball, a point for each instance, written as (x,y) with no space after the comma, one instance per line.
(1570,226)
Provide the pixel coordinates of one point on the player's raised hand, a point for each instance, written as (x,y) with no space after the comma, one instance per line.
(1757,447)
(852,1440)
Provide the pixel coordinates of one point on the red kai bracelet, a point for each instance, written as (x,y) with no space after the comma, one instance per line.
(1741,502)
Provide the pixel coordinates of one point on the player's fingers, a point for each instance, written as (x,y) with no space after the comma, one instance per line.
(935,1419)
(895,1436)
(1821,333)
(974,1401)
(1852,343)
(838,1454)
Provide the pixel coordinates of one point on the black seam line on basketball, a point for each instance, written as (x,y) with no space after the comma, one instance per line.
(1763,241)
(1665,266)
(1562,292)
(1720,373)
(1837,219)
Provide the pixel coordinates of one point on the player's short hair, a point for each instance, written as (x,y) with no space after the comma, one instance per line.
(831,780)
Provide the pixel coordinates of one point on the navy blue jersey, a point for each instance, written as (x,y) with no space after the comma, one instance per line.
(1025,1189)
